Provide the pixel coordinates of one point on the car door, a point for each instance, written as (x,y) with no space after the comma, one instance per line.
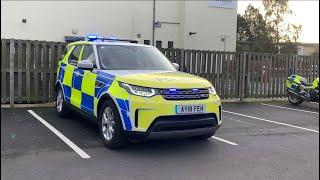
(85,81)
(67,81)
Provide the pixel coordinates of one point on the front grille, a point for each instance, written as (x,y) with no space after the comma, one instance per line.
(184,94)
(183,122)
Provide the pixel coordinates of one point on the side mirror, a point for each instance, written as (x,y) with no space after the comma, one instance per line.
(85,65)
(176,66)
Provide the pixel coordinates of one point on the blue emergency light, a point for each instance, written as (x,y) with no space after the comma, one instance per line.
(111,38)
(94,37)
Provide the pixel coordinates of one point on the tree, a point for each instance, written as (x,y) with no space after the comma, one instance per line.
(295,31)
(290,39)
(269,32)
(243,31)
(282,32)
(275,11)
(252,32)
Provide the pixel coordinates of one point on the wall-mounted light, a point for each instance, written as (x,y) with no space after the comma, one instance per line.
(24,21)
(74,31)
(157,24)
(192,33)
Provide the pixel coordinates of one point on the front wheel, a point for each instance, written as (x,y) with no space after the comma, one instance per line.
(293,99)
(110,126)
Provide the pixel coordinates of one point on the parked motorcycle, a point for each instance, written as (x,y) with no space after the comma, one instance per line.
(300,90)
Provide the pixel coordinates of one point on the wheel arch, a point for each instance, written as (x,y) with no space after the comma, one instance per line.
(57,85)
(107,97)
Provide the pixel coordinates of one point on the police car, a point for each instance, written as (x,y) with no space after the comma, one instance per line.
(134,92)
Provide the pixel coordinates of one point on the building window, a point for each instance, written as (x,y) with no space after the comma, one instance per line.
(170,44)
(147,42)
(159,44)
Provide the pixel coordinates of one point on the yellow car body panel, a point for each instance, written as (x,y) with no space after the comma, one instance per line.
(151,108)
(165,80)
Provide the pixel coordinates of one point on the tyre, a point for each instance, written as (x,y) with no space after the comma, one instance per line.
(206,136)
(110,126)
(294,100)
(60,104)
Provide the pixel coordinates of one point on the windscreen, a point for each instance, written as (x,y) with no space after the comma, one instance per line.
(120,57)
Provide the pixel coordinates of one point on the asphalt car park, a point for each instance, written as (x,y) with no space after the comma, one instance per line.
(271,140)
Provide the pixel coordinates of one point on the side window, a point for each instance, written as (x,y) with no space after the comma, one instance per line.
(65,51)
(88,54)
(74,56)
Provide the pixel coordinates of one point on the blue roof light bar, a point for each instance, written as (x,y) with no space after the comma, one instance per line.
(92,37)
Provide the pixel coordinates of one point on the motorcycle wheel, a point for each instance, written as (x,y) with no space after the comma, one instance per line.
(294,100)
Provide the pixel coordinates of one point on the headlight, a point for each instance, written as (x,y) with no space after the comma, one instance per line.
(212,90)
(138,90)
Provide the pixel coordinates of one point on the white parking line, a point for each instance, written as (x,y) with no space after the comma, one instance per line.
(275,122)
(289,108)
(225,141)
(81,153)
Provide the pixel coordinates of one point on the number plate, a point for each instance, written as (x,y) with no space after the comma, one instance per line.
(190,109)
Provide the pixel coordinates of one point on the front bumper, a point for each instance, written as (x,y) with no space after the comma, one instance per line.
(171,134)
(179,126)
(182,134)
(148,113)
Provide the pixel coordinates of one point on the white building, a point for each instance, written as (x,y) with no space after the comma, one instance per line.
(184,24)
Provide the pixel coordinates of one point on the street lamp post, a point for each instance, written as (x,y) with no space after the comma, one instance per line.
(153,21)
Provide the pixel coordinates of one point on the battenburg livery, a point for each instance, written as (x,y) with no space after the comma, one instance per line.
(134,92)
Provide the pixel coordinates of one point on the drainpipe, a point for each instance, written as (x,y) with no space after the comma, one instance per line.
(153,21)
